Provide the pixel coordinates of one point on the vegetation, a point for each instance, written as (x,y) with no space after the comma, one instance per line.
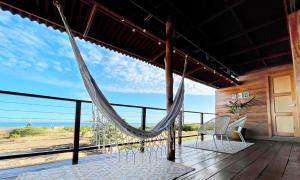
(84,130)
(68,129)
(26,131)
(190,127)
(234,107)
(108,133)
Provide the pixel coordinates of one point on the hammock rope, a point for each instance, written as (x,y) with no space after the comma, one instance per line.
(104,106)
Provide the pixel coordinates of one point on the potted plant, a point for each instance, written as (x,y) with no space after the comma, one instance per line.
(235,108)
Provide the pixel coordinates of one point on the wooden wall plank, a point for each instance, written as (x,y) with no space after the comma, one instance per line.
(294,30)
(257,83)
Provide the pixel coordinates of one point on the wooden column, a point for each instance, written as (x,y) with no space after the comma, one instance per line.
(169,87)
(294,29)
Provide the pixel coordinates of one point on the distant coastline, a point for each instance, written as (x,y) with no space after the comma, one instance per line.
(18,124)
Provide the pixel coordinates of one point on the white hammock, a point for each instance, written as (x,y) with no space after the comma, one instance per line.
(104,106)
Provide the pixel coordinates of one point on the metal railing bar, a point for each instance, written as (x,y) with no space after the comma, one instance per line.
(24,155)
(83,101)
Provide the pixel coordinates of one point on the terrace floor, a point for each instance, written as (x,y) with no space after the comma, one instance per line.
(264,160)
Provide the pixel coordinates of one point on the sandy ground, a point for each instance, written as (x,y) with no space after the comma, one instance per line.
(55,138)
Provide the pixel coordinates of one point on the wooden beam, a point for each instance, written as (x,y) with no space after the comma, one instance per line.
(212,82)
(209,19)
(188,20)
(169,87)
(157,56)
(269,43)
(90,20)
(236,35)
(272,56)
(247,34)
(194,70)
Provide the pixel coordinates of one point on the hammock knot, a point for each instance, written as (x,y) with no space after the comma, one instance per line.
(57,3)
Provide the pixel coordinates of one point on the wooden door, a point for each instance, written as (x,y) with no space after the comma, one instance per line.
(282,104)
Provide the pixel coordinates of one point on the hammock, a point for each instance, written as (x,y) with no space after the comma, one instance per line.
(104,106)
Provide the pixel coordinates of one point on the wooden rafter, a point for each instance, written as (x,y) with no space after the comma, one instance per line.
(90,20)
(247,31)
(247,34)
(194,70)
(207,20)
(272,56)
(266,44)
(157,56)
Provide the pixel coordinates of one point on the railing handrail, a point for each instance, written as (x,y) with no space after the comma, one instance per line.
(76,147)
(86,101)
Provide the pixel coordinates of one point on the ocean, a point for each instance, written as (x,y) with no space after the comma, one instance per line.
(17,124)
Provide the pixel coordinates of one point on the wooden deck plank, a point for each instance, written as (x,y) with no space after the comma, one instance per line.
(209,170)
(255,168)
(276,167)
(263,160)
(292,170)
(230,171)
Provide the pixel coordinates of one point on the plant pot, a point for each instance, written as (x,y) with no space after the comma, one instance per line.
(235,136)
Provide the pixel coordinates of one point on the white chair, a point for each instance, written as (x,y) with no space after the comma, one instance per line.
(215,127)
(237,127)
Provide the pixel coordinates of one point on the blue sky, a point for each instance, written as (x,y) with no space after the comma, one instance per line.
(38,59)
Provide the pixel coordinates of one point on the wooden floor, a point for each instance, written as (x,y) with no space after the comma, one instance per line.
(264,160)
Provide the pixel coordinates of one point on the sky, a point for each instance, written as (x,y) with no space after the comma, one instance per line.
(38,59)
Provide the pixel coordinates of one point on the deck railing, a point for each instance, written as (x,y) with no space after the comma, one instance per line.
(76,138)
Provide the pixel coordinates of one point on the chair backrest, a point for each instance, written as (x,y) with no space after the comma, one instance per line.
(238,123)
(221,124)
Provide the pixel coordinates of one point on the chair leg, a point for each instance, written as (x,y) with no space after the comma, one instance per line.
(228,141)
(242,138)
(215,142)
(222,138)
(197,140)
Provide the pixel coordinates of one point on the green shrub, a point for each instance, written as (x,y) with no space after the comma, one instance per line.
(26,131)
(190,127)
(68,129)
(84,130)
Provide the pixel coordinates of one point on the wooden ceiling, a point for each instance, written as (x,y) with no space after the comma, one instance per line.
(223,38)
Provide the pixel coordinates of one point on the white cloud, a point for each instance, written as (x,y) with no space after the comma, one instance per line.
(29,45)
(55,81)
(57,66)
(4,17)
(133,76)
(41,66)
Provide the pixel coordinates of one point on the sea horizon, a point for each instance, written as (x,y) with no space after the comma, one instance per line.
(19,124)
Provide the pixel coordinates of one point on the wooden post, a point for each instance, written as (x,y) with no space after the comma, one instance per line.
(294,29)
(76,132)
(143,127)
(169,87)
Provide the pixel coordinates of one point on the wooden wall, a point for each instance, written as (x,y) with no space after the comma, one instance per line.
(294,29)
(257,83)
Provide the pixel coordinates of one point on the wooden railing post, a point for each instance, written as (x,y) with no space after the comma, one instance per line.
(143,126)
(76,132)
(201,122)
